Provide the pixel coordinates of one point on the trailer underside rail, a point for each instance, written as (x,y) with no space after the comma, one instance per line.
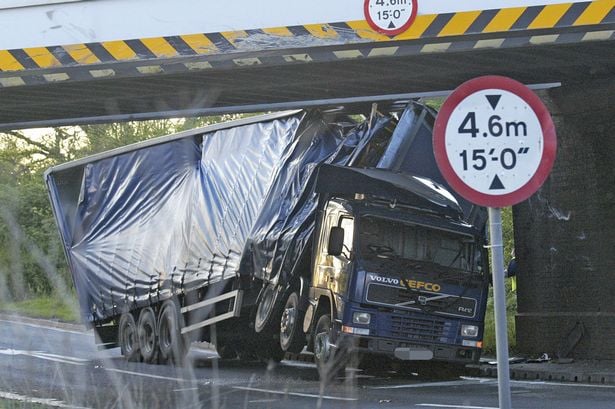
(236,295)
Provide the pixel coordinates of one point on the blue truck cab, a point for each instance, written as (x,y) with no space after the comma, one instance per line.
(396,271)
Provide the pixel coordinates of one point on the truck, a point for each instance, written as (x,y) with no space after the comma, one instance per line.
(328,230)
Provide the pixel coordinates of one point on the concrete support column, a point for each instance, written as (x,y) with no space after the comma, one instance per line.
(565,233)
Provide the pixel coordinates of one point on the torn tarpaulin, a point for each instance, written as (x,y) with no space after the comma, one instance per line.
(144,222)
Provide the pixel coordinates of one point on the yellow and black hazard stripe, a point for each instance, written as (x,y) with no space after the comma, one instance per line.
(499,28)
(506,20)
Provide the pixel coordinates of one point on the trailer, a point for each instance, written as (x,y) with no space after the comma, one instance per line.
(328,230)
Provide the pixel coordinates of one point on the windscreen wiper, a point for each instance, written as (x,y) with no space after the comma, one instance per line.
(385,252)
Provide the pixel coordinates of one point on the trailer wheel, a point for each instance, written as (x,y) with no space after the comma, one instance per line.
(172,344)
(291,321)
(129,341)
(330,360)
(148,340)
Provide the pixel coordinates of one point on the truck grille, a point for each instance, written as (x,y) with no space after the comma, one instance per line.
(430,302)
(418,329)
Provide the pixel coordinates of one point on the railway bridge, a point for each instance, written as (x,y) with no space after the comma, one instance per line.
(70,62)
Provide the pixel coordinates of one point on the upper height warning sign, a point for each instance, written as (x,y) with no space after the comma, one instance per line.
(494,141)
(390,17)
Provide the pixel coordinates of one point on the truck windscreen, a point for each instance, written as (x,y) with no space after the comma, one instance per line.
(381,239)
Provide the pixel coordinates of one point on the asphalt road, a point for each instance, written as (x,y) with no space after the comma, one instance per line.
(58,367)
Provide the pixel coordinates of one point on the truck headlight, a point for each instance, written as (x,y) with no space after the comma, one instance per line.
(469,330)
(363,318)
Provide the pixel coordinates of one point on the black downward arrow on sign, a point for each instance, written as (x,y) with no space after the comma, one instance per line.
(493,100)
(496,184)
(391,25)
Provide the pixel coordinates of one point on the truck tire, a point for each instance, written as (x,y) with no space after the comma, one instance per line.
(148,339)
(172,344)
(128,338)
(266,305)
(291,325)
(331,362)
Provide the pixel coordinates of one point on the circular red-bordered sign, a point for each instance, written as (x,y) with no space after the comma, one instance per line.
(390,17)
(494,141)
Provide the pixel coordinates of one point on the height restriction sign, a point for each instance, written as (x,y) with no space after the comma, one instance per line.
(494,141)
(390,17)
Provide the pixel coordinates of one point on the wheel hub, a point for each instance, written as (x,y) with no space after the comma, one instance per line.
(129,339)
(288,320)
(149,337)
(165,335)
(322,346)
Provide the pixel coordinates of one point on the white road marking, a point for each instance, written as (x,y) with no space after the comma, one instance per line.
(435,405)
(46,356)
(303,395)
(423,385)
(146,375)
(185,389)
(78,361)
(26,324)
(538,382)
(580,385)
(40,401)
(263,401)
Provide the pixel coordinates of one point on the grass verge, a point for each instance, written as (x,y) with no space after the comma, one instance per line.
(13,404)
(43,307)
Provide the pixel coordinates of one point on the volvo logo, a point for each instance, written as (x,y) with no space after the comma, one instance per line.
(384,280)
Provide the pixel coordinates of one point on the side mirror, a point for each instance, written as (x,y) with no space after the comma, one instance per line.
(336,241)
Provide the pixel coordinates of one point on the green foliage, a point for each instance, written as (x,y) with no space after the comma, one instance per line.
(435,103)
(511,296)
(16,404)
(511,311)
(43,307)
(32,260)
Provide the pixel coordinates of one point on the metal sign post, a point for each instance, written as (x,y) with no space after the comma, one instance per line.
(499,306)
(495,143)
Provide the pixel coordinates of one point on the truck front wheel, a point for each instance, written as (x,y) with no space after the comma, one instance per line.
(330,360)
(148,340)
(129,341)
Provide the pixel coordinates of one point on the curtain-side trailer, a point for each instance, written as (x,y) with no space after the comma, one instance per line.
(275,233)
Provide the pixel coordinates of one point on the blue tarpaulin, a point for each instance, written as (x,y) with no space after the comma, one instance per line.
(177,213)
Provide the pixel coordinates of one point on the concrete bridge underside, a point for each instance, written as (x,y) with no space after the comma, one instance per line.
(230,88)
